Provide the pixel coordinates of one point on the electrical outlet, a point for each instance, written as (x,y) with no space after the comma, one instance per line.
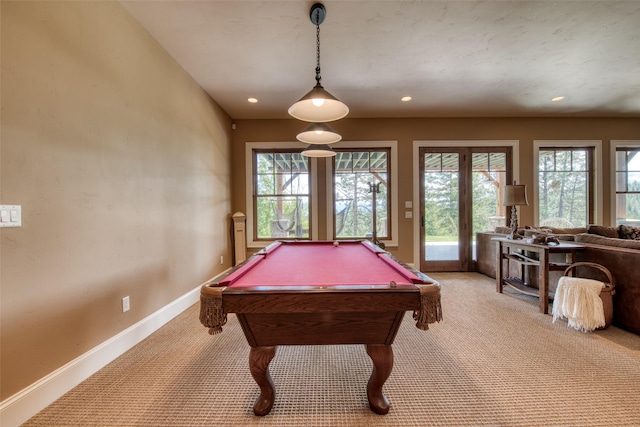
(221,259)
(125,304)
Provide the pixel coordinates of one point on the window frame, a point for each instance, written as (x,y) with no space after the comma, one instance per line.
(262,147)
(618,144)
(596,214)
(392,189)
(389,183)
(514,144)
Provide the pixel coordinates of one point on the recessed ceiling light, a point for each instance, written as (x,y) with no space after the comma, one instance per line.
(557,98)
(252,100)
(405,99)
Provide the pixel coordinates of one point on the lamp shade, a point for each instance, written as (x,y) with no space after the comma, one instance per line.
(515,195)
(319,133)
(318,106)
(318,150)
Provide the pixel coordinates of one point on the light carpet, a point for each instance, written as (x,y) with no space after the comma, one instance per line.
(493,361)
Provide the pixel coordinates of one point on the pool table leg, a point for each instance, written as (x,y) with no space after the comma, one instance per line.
(382,357)
(259,359)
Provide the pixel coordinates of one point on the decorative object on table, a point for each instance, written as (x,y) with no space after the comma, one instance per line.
(515,195)
(587,304)
(545,240)
(318,106)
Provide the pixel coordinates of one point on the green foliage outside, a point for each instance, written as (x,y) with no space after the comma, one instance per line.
(282,195)
(628,186)
(563,187)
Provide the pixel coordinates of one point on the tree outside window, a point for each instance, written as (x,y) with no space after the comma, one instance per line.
(628,186)
(359,176)
(281,195)
(565,181)
(488,175)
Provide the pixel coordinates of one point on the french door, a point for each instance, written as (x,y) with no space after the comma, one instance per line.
(460,194)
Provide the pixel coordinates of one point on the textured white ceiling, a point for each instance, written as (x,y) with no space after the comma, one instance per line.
(455,58)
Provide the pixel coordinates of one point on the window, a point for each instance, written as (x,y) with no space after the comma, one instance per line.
(281,195)
(488,177)
(565,186)
(361,177)
(628,186)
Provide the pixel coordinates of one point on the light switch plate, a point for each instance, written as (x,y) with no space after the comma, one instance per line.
(10,216)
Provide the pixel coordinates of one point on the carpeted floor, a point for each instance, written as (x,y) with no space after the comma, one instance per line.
(493,361)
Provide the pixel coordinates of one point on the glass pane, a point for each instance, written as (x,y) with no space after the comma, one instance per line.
(282,195)
(265,184)
(487,210)
(621,160)
(441,208)
(628,187)
(264,162)
(579,161)
(480,161)
(634,160)
(283,183)
(382,219)
(621,182)
(357,174)
(282,162)
(563,199)
(264,217)
(498,162)
(628,209)
(633,181)
(361,162)
(364,206)
(378,161)
(563,161)
(546,160)
(432,162)
(344,161)
(487,177)
(292,183)
(283,217)
(299,163)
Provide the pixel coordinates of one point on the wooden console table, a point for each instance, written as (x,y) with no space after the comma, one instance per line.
(531,255)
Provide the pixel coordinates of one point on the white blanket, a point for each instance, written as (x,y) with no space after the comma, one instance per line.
(578,300)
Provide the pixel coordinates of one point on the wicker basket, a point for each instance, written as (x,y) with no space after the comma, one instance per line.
(606,295)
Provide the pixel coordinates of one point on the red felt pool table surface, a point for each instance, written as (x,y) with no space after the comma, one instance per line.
(321,264)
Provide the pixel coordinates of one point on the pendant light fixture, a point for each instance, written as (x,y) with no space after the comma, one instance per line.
(319,133)
(318,106)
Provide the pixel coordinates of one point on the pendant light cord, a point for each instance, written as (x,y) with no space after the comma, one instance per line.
(318,78)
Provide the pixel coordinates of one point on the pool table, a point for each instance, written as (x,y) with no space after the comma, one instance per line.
(320,293)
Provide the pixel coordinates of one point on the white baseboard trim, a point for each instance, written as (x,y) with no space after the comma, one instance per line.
(23,405)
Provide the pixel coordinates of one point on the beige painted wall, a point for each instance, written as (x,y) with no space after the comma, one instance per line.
(122,166)
(405,131)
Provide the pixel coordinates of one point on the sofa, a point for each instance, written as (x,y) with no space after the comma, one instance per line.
(616,248)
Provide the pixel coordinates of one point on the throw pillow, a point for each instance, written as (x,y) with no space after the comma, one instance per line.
(628,232)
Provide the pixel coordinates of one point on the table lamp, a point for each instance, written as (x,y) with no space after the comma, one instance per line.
(515,195)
